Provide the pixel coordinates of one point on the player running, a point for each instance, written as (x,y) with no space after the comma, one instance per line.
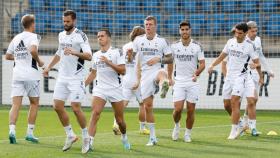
(152,51)
(23,50)
(129,80)
(252,36)
(72,51)
(239,51)
(108,65)
(189,63)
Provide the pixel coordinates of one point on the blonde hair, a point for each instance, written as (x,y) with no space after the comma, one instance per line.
(136,31)
(27,20)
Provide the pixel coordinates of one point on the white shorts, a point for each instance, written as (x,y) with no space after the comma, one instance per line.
(243,86)
(148,85)
(189,92)
(75,90)
(113,95)
(29,88)
(256,79)
(227,89)
(129,93)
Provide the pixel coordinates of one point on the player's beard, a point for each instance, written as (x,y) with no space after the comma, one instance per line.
(68,28)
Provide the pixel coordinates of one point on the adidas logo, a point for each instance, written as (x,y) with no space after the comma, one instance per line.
(21,47)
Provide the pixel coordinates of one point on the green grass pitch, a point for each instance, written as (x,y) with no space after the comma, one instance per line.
(209,137)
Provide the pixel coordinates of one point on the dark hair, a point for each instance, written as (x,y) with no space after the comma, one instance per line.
(27,20)
(242,26)
(185,23)
(136,31)
(151,18)
(108,33)
(70,13)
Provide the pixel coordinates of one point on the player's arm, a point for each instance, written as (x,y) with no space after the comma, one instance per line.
(217,61)
(90,77)
(35,55)
(10,52)
(54,61)
(258,68)
(138,72)
(201,67)
(83,56)
(224,68)
(170,68)
(265,64)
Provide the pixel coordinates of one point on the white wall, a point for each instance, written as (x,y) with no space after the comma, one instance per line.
(272,101)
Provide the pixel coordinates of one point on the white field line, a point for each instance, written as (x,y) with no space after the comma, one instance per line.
(167,129)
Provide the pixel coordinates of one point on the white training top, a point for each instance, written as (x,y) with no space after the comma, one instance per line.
(25,67)
(70,66)
(107,77)
(130,77)
(186,60)
(239,55)
(264,64)
(148,49)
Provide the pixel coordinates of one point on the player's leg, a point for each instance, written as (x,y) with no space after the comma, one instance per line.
(17,95)
(33,92)
(148,104)
(98,104)
(179,97)
(13,116)
(118,111)
(235,115)
(141,113)
(227,106)
(192,99)
(162,80)
(189,121)
(32,115)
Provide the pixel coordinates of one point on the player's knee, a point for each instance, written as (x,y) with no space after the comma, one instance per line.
(178,111)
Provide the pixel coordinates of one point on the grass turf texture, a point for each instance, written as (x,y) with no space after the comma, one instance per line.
(209,136)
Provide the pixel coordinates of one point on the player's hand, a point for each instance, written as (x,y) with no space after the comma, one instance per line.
(136,85)
(194,78)
(41,63)
(210,69)
(261,81)
(171,82)
(46,72)
(104,59)
(153,61)
(253,66)
(69,51)
(271,74)
(129,54)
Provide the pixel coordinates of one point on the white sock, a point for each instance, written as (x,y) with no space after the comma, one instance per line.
(124,137)
(69,131)
(234,128)
(30,128)
(115,123)
(188,132)
(12,129)
(85,133)
(142,125)
(91,140)
(152,130)
(252,124)
(177,125)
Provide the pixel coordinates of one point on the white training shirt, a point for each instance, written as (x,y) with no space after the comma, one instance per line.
(263,61)
(130,77)
(239,55)
(107,77)
(70,66)
(25,67)
(148,49)
(186,60)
